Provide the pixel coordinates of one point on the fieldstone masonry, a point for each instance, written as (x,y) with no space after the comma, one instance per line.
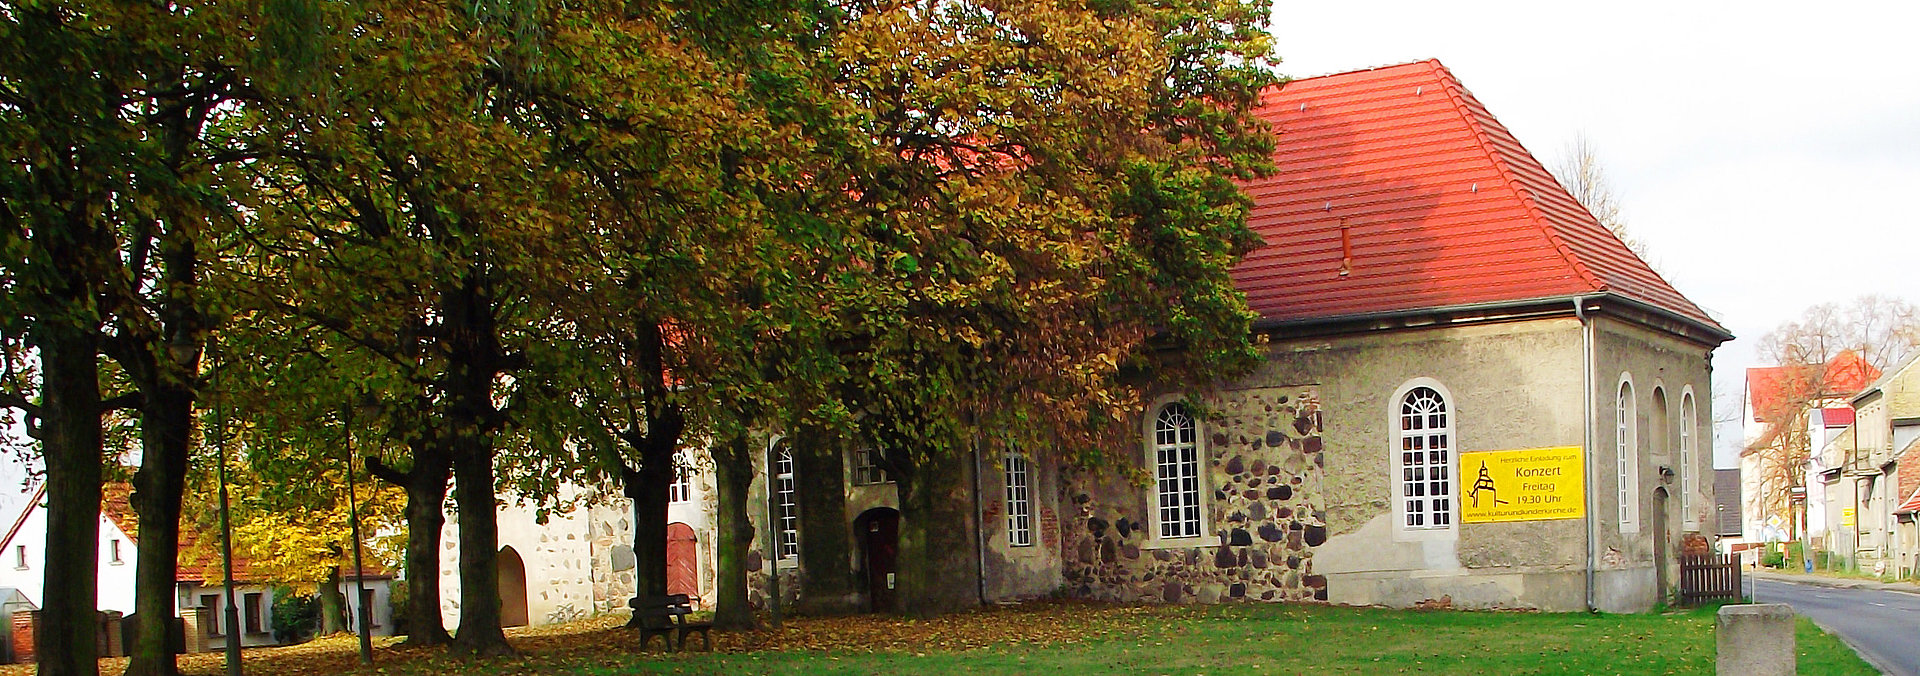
(1263,462)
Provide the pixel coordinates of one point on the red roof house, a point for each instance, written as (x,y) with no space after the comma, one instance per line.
(1434,302)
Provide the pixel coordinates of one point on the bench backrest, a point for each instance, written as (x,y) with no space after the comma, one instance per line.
(654,610)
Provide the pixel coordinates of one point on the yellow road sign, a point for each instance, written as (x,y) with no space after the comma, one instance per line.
(1846,516)
(1524,485)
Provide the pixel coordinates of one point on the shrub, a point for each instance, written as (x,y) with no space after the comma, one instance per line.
(294,615)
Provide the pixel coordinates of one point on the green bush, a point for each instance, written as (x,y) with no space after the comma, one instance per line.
(294,615)
(1773,559)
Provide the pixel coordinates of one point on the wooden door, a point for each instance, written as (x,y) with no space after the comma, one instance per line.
(683,571)
(513,587)
(881,540)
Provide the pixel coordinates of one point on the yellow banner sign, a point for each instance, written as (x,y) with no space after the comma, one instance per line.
(1846,516)
(1524,485)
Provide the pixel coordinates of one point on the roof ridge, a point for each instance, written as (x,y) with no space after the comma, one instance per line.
(1403,64)
(1540,219)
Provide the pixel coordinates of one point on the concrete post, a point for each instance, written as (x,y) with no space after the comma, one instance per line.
(1755,640)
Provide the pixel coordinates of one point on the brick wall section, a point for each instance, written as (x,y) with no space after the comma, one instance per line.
(23,624)
(1907,472)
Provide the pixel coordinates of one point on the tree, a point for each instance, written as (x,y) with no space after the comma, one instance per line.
(1881,330)
(1033,218)
(116,109)
(1584,177)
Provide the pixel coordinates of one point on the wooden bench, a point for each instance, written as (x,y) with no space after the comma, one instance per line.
(666,617)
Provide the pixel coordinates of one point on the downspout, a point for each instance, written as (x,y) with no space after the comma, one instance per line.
(979,532)
(1586,373)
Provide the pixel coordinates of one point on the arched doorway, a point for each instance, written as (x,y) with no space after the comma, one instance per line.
(1661,547)
(683,572)
(878,530)
(513,587)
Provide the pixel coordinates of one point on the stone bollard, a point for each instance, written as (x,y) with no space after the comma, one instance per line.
(1755,640)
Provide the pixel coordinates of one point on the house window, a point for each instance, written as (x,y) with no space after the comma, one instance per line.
(252,609)
(1687,423)
(20,557)
(865,471)
(789,546)
(1424,439)
(113,552)
(1019,508)
(1176,453)
(212,603)
(1626,440)
(681,489)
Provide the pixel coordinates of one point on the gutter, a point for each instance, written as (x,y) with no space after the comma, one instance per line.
(1507,309)
(979,535)
(1586,374)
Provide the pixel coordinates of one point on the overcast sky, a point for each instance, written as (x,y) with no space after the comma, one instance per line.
(1767,154)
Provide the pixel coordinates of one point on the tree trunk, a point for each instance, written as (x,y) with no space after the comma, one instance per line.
(479,634)
(426,486)
(939,565)
(647,487)
(71,442)
(166,424)
(826,537)
(333,604)
(733,475)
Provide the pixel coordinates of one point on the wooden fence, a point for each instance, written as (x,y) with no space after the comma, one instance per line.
(1710,577)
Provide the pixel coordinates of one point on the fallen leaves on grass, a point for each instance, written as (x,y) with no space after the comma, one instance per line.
(605,640)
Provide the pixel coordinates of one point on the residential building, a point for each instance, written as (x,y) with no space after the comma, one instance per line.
(200,588)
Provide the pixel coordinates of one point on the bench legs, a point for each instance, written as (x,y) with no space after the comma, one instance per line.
(706,639)
(666,638)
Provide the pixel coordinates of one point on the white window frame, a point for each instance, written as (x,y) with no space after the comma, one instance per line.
(866,472)
(1018,473)
(1626,454)
(1439,521)
(788,541)
(1689,424)
(680,489)
(1194,462)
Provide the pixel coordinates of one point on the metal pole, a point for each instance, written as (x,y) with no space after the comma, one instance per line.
(362,613)
(226,527)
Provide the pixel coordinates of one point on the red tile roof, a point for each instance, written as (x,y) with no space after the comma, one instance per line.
(1398,191)
(1836,417)
(1910,506)
(1845,374)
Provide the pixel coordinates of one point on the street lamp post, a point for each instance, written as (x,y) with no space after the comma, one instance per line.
(362,614)
(226,526)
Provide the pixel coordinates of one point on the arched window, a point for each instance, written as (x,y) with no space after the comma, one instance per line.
(1176,450)
(1687,424)
(1019,503)
(789,545)
(1626,440)
(1423,435)
(1659,420)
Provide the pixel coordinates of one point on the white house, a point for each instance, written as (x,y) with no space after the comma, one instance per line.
(198,580)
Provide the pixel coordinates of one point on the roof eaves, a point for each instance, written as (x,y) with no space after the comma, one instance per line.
(33,503)
(1886,377)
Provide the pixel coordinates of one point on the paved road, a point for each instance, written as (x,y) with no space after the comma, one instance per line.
(1878,623)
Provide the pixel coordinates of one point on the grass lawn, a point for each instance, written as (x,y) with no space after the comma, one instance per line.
(1087,638)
